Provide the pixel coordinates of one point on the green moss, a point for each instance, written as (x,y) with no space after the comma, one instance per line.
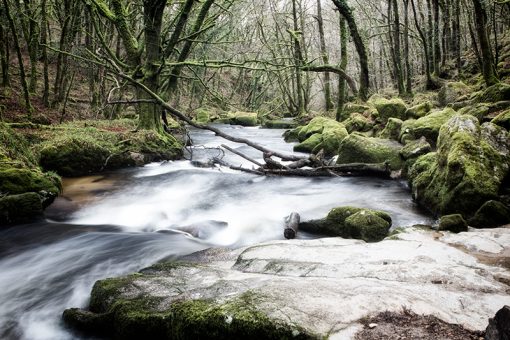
(466,171)
(316,125)
(392,129)
(452,92)
(358,122)
(427,126)
(14,149)
(503,120)
(419,110)
(454,223)
(479,111)
(359,149)
(387,108)
(495,93)
(369,225)
(309,144)
(491,214)
(20,208)
(202,115)
(415,148)
(327,136)
(246,118)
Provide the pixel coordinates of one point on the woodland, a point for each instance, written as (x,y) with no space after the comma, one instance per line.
(412,96)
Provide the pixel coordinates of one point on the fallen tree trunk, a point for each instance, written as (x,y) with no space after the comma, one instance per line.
(291,225)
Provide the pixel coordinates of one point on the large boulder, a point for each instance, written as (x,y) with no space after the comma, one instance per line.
(427,126)
(470,164)
(411,151)
(419,110)
(320,134)
(360,149)
(351,222)
(387,108)
(20,208)
(495,93)
(358,122)
(452,92)
(499,325)
(454,223)
(491,214)
(392,129)
(478,110)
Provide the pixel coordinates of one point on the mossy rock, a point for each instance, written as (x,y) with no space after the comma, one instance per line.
(503,120)
(470,164)
(18,181)
(387,108)
(245,118)
(125,312)
(356,148)
(415,148)
(366,224)
(491,214)
(24,207)
(478,110)
(202,115)
(452,92)
(370,226)
(309,144)
(291,135)
(392,129)
(495,93)
(327,136)
(280,124)
(358,122)
(419,110)
(454,223)
(427,126)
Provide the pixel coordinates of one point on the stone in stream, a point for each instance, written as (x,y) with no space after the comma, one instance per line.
(301,289)
(499,325)
(351,222)
(454,223)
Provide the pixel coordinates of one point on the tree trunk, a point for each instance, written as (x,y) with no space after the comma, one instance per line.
(396,43)
(325,58)
(298,61)
(437,45)
(4,52)
(409,74)
(343,65)
(44,50)
(488,67)
(346,12)
(430,84)
(22,75)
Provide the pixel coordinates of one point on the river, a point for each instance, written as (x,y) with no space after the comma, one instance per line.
(120,222)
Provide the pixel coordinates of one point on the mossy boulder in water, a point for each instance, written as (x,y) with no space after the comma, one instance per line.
(387,108)
(427,126)
(20,208)
(392,129)
(280,124)
(454,223)
(470,164)
(503,119)
(120,309)
(491,214)
(327,135)
(351,222)
(245,118)
(360,149)
(419,110)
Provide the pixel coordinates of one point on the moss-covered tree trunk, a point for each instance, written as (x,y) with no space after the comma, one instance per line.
(343,65)
(488,67)
(346,12)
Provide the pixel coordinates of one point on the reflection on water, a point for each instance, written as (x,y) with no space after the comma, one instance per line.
(110,225)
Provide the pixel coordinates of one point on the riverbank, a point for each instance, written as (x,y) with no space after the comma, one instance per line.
(309,288)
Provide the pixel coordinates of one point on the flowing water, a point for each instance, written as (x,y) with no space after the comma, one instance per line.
(119,223)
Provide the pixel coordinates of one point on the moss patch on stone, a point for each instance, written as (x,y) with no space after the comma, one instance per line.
(454,223)
(495,93)
(392,129)
(503,120)
(427,126)
(351,222)
(491,214)
(360,149)
(320,134)
(387,108)
(358,122)
(419,110)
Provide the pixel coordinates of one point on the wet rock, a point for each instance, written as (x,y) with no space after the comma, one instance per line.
(360,149)
(491,214)
(299,289)
(454,223)
(499,325)
(351,222)
(470,164)
(392,129)
(20,208)
(419,110)
(427,126)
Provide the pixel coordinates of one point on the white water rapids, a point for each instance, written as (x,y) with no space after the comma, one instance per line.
(50,266)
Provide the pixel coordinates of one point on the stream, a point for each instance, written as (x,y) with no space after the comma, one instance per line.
(120,222)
